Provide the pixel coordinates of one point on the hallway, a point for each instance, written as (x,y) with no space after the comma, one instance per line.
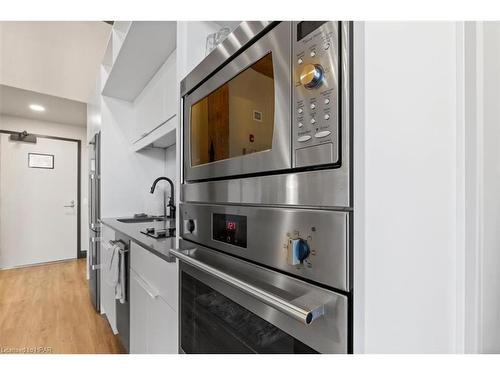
(47,309)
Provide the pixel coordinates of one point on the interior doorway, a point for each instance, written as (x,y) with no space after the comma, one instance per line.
(39,200)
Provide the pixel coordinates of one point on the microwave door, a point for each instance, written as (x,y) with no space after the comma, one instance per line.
(238,121)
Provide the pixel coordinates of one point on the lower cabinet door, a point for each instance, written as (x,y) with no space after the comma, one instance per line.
(108,304)
(153,323)
(162,338)
(139,301)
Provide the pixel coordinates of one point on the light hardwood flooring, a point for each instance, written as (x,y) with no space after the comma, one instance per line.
(48,307)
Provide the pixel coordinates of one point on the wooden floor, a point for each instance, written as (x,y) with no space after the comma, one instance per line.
(48,307)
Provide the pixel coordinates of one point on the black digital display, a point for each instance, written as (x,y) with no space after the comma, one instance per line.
(305,28)
(231,229)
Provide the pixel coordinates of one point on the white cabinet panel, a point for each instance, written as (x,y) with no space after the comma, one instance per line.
(161,275)
(153,303)
(138,316)
(108,305)
(162,334)
(158,101)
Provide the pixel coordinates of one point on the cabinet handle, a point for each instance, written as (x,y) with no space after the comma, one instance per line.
(153,293)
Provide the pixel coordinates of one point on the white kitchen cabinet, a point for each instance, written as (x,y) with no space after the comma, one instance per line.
(138,316)
(135,52)
(108,305)
(162,329)
(159,274)
(153,303)
(158,101)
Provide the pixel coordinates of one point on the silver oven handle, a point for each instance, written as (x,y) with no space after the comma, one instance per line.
(306,316)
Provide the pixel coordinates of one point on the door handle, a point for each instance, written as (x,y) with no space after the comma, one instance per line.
(95,226)
(72,204)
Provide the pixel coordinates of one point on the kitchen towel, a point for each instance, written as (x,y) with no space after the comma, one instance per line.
(120,286)
(111,263)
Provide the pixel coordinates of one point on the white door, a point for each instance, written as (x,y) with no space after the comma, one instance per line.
(36,224)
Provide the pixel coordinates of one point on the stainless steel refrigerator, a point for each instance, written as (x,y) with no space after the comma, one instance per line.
(94,219)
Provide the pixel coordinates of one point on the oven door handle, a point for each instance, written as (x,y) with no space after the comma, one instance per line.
(303,315)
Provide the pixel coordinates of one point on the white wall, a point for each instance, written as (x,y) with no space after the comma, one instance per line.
(55,58)
(406,273)
(58,130)
(490,265)
(170,164)
(191,42)
(94,115)
(126,176)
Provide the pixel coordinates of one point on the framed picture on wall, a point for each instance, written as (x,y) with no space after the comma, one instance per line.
(43,161)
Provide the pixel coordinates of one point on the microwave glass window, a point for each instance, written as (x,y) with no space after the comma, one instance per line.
(224,123)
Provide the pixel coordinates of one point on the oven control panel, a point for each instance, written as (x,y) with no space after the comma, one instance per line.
(315,66)
(309,243)
(231,229)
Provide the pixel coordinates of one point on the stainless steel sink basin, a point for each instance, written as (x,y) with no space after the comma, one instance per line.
(140,219)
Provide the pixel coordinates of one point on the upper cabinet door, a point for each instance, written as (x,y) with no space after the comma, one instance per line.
(158,101)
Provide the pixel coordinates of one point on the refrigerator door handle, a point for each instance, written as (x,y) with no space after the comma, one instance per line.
(95,226)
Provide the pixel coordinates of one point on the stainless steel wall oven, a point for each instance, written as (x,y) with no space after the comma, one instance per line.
(266,214)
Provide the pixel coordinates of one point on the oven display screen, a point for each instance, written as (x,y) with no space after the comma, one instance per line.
(231,225)
(307,27)
(231,229)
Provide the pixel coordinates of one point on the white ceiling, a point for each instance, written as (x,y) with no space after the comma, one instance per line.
(55,58)
(15,102)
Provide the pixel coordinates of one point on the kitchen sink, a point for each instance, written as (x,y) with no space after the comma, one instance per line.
(140,219)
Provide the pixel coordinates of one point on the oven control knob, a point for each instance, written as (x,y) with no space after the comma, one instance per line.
(190,225)
(311,76)
(299,251)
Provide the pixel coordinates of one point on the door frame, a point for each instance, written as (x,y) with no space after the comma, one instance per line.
(79,253)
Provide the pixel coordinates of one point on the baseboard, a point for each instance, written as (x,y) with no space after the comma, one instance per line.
(37,264)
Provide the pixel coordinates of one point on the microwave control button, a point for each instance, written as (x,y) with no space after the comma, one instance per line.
(311,75)
(301,124)
(313,121)
(312,54)
(300,61)
(327,101)
(313,106)
(300,110)
(304,138)
(327,116)
(322,134)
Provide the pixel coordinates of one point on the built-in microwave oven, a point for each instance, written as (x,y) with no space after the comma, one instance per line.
(268,100)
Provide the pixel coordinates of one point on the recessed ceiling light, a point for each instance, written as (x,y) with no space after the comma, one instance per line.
(37,108)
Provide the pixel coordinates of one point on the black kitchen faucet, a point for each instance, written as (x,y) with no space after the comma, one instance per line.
(170,213)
